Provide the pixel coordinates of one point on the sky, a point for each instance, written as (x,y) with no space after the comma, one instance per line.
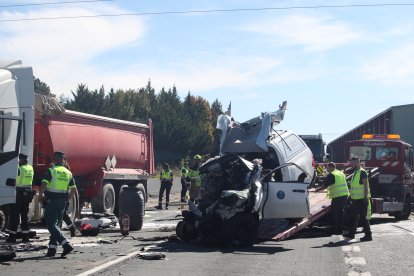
(336,67)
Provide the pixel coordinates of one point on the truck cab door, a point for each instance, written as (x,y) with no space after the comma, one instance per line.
(10,133)
(286,200)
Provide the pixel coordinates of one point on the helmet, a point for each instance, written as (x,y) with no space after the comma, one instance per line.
(197,157)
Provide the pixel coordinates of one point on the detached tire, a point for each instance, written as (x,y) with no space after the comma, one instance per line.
(406,212)
(105,202)
(132,203)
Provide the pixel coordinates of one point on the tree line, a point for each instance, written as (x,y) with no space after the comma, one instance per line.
(182,127)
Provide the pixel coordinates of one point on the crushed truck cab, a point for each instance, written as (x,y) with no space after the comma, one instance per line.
(262,173)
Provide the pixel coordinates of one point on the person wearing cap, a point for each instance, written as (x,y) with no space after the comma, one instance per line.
(360,201)
(195,178)
(166,177)
(24,196)
(338,193)
(184,183)
(58,186)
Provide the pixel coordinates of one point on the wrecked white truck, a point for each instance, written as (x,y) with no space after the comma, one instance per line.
(261,173)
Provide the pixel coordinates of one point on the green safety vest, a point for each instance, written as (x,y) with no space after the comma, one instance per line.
(25,178)
(166,175)
(357,191)
(195,176)
(61,178)
(184,172)
(340,188)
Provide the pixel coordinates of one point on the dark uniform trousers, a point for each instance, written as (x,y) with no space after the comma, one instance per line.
(165,186)
(54,209)
(359,211)
(337,207)
(184,187)
(20,210)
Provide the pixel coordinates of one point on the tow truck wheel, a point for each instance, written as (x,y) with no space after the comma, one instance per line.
(405,213)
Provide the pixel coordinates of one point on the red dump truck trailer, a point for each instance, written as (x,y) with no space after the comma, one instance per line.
(103,154)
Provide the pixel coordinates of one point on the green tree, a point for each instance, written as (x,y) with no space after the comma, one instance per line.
(41,87)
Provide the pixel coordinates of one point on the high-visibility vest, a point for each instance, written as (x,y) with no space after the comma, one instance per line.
(166,175)
(195,176)
(357,190)
(184,172)
(61,178)
(340,188)
(25,178)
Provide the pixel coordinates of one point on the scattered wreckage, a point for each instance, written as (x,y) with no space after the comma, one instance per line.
(262,173)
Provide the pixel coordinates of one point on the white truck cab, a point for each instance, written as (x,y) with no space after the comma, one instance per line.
(16,135)
(286,189)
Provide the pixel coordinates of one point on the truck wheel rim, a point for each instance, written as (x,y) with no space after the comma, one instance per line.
(109,200)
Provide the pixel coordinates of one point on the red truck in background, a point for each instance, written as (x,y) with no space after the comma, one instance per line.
(103,154)
(389,162)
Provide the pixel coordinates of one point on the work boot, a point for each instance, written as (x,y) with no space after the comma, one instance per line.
(67,248)
(11,238)
(51,252)
(366,238)
(166,206)
(72,230)
(159,207)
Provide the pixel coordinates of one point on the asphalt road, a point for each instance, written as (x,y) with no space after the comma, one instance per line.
(311,252)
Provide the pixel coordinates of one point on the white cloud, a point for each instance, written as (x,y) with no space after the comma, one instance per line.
(62,48)
(394,66)
(313,33)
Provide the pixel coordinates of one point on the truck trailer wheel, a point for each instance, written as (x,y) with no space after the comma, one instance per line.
(3,219)
(405,213)
(132,203)
(73,209)
(106,201)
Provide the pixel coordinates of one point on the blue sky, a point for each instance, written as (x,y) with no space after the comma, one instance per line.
(336,67)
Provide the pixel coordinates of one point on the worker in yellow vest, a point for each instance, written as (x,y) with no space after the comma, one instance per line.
(166,177)
(58,186)
(24,195)
(184,182)
(338,193)
(360,201)
(195,178)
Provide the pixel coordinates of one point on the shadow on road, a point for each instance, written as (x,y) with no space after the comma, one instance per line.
(177,246)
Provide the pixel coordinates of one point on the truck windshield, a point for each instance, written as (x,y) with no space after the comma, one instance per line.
(363,153)
(386,153)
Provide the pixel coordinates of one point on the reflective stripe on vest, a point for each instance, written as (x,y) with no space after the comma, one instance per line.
(357,190)
(195,176)
(25,178)
(60,180)
(166,175)
(340,188)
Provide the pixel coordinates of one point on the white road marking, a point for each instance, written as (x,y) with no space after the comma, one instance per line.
(355,261)
(110,263)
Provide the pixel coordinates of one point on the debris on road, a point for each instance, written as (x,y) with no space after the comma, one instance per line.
(151,256)
(7,253)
